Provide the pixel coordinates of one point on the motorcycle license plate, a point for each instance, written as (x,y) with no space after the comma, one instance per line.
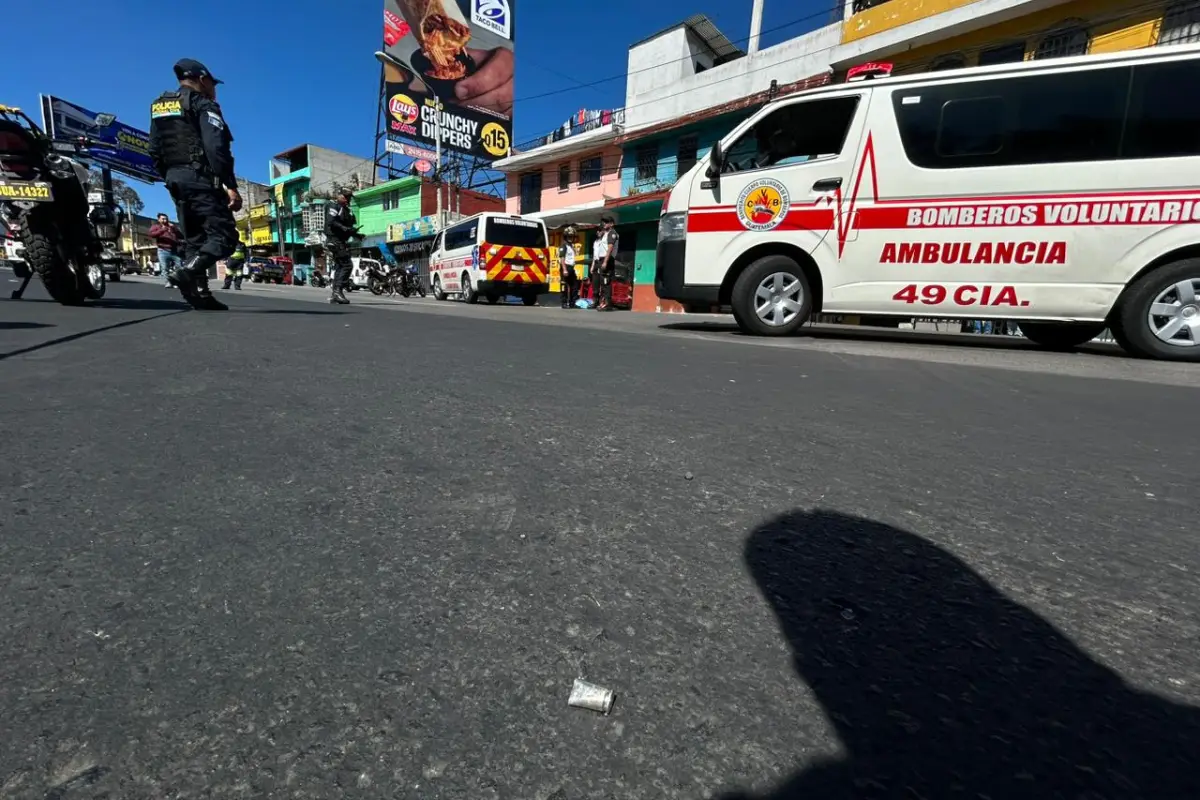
(33,191)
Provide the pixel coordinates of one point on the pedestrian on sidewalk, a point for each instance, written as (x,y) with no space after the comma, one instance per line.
(568,280)
(603,252)
(167,238)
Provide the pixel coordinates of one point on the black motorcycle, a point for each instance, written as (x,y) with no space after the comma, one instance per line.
(410,281)
(43,196)
(377,280)
(317,279)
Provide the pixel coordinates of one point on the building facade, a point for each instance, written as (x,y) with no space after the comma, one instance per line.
(295,175)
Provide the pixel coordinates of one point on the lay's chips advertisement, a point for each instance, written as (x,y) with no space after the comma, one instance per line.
(458,52)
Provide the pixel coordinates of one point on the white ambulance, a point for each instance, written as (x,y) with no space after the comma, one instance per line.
(1064,194)
(491,255)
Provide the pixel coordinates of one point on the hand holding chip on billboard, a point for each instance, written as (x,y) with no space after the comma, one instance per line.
(491,86)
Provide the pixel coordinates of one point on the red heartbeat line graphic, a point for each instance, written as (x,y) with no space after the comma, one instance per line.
(844,217)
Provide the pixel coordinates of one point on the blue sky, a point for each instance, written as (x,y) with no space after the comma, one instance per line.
(301,71)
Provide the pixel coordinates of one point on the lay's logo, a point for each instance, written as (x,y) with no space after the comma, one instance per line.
(493,15)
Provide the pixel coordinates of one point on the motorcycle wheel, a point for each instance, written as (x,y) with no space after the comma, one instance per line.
(405,292)
(421,291)
(94,281)
(375,286)
(39,236)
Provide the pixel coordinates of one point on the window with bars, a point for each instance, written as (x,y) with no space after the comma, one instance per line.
(391,200)
(1004,54)
(1181,23)
(689,146)
(1072,40)
(589,171)
(646,163)
(531,192)
(564,177)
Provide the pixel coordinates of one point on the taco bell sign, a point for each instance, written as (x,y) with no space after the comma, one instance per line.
(493,15)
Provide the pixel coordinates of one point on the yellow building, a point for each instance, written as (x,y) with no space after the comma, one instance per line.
(256,227)
(920,35)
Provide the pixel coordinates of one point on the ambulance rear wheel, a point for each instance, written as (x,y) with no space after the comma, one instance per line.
(1158,316)
(1061,335)
(772,297)
(469,295)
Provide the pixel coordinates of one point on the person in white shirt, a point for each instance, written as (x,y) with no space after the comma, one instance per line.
(568,280)
(603,253)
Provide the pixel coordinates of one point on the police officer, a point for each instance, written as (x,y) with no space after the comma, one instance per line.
(189,143)
(340,226)
(235,267)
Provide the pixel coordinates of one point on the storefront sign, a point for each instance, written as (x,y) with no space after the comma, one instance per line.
(445,54)
(417,247)
(260,212)
(413,229)
(261,236)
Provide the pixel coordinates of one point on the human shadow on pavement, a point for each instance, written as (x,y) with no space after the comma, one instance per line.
(23,326)
(140,304)
(939,685)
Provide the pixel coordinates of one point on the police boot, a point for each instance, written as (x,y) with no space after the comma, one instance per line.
(192,280)
(338,297)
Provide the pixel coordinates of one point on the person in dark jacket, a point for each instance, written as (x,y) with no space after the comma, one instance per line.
(190,146)
(169,240)
(340,227)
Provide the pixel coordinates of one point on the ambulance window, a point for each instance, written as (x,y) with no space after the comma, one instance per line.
(794,134)
(1164,111)
(971,127)
(461,236)
(1056,117)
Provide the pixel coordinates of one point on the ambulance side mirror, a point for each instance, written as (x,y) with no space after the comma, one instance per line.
(716,162)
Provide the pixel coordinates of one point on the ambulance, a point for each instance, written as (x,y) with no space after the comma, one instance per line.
(493,256)
(1063,194)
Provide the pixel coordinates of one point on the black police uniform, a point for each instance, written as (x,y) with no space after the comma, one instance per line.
(340,225)
(189,143)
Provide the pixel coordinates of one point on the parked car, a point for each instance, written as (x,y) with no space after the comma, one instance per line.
(286,264)
(264,270)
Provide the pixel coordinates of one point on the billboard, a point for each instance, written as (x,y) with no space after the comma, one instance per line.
(127,150)
(458,71)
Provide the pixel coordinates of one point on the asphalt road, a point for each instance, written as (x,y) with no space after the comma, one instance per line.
(297,551)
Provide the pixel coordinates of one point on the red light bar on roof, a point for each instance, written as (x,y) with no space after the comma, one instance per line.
(872,69)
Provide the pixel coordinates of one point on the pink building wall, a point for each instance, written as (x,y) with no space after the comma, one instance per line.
(553,198)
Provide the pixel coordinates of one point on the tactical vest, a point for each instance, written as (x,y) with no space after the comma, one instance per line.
(174,122)
(332,211)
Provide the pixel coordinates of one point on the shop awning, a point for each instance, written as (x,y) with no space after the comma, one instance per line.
(581,214)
